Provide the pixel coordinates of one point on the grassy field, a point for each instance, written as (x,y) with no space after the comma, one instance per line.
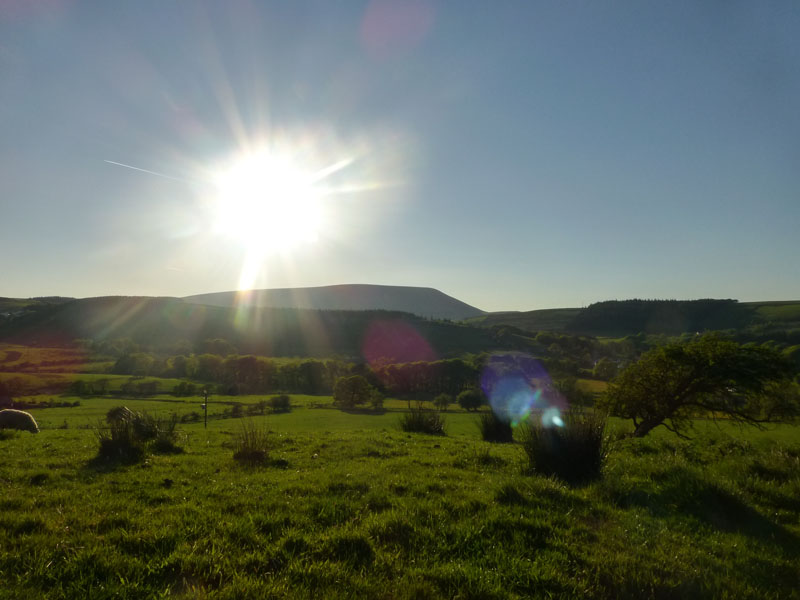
(309,413)
(17,357)
(779,311)
(349,506)
(594,386)
(57,384)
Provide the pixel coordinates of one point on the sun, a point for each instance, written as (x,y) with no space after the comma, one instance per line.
(267,203)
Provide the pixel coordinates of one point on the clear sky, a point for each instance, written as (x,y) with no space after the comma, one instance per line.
(516,155)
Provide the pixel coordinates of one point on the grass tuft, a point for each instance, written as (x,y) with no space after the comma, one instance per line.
(251,444)
(574,453)
(167,435)
(422,420)
(128,435)
(495,429)
(119,442)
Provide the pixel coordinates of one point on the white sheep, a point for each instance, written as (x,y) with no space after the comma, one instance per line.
(18,419)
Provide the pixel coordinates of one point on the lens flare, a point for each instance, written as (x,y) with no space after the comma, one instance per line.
(519,387)
(551,417)
(395,341)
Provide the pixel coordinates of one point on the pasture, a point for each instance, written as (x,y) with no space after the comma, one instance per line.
(349,506)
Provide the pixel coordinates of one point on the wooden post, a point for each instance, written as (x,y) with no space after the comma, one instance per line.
(205,408)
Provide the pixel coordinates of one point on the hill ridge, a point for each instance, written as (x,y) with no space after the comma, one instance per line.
(422,301)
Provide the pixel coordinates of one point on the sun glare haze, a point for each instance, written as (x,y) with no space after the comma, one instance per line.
(267,203)
(400,299)
(168,148)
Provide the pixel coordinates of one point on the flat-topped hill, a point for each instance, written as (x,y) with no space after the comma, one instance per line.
(421,301)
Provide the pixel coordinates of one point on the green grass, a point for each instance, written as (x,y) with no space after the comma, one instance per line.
(349,506)
(34,383)
(779,311)
(309,413)
(594,386)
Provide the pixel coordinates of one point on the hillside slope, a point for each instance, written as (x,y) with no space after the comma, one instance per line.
(628,317)
(164,322)
(425,302)
(548,319)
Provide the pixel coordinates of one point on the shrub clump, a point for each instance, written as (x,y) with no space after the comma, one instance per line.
(119,442)
(252,444)
(574,453)
(495,429)
(280,403)
(128,435)
(422,420)
(167,435)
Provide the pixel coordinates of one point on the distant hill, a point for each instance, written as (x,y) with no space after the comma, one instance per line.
(548,319)
(424,302)
(624,317)
(16,305)
(616,318)
(164,322)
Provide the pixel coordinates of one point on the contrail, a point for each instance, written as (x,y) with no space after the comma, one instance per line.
(337,166)
(119,164)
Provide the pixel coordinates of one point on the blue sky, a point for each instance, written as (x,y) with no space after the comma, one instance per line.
(515,155)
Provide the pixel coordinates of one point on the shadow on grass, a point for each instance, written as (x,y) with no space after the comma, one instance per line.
(364,411)
(104,464)
(262,462)
(681,491)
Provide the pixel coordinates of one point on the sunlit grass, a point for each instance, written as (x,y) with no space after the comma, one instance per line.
(382,513)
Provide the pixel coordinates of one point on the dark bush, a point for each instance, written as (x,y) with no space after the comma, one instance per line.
(191,417)
(574,453)
(280,403)
(422,420)
(495,429)
(129,434)
(119,442)
(184,388)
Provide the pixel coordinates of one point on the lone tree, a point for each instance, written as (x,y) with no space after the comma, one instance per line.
(709,374)
(442,401)
(470,399)
(351,391)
